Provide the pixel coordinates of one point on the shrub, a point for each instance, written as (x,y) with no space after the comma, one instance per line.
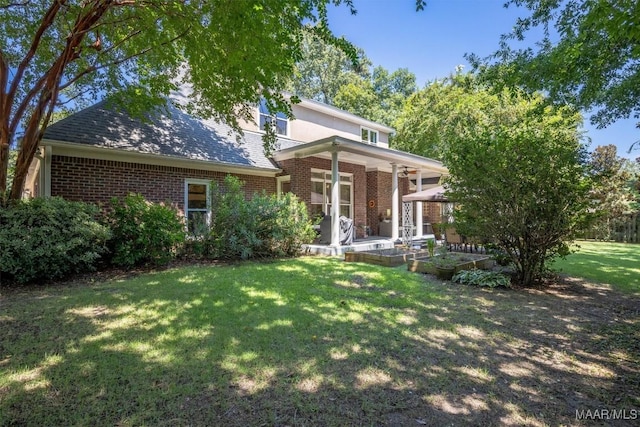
(498,254)
(283,224)
(144,232)
(265,226)
(50,239)
(476,277)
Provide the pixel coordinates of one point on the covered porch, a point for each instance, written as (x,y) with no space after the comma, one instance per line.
(378,177)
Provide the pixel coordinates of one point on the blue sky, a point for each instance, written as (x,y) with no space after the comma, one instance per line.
(432,42)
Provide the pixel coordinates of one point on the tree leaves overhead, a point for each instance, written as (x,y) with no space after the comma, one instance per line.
(440,111)
(230,53)
(324,67)
(378,96)
(589,55)
(326,74)
(612,194)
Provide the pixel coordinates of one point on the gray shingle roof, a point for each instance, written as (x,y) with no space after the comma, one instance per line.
(176,134)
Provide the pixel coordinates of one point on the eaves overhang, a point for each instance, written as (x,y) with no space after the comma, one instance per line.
(371,156)
(71,149)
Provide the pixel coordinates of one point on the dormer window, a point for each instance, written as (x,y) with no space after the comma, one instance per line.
(281,120)
(369,136)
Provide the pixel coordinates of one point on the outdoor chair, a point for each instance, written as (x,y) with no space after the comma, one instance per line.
(347,230)
(454,240)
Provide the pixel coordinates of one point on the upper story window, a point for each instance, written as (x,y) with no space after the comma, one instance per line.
(281,120)
(369,136)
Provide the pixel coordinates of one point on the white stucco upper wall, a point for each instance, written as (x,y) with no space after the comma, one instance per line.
(314,121)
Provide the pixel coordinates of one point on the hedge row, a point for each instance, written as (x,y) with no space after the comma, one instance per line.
(53,238)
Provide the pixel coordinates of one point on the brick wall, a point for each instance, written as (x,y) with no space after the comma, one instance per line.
(373,202)
(97,181)
(432,212)
(379,190)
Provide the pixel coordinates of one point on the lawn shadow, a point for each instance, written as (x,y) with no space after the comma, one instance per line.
(315,342)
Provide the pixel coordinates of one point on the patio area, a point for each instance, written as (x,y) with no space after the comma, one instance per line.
(360,245)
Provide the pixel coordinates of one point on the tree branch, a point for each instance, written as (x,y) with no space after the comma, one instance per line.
(116,62)
(10,5)
(47,21)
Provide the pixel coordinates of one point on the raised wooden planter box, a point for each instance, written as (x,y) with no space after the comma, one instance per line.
(428,265)
(386,257)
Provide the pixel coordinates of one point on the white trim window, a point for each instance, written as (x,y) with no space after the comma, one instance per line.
(321,194)
(265,117)
(369,136)
(283,185)
(197,204)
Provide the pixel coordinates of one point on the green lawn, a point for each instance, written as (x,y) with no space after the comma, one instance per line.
(312,341)
(615,264)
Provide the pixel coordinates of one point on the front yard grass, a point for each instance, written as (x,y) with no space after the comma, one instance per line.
(313,341)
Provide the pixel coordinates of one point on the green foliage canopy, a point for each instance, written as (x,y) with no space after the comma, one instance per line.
(613,193)
(378,96)
(431,116)
(518,178)
(231,53)
(324,68)
(325,73)
(589,55)
(516,166)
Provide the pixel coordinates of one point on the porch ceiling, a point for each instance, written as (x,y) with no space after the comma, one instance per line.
(370,156)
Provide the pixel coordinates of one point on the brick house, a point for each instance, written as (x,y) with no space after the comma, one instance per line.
(99,153)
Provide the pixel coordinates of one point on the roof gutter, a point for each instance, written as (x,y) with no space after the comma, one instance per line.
(70,149)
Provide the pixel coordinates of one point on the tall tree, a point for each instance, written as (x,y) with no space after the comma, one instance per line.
(431,116)
(515,163)
(589,55)
(324,68)
(518,178)
(231,53)
(379,95)
(326,74)
(612,193)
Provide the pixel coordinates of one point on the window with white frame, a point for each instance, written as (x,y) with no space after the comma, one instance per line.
(369,136)
(321,194)
(196,204)
(266,117)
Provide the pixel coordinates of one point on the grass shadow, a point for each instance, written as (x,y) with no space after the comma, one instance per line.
(312,341)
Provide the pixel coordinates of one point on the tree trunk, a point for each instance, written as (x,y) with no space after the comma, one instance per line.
(4,165)
(48,92)
(33,132)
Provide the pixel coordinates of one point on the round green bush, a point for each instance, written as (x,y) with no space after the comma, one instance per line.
(50,238)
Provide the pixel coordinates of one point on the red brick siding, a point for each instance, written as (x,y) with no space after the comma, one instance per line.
(97,181)
(379,189)
(373,212)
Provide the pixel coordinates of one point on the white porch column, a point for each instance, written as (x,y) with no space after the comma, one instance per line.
(395,211)
(419,226)
(335,200)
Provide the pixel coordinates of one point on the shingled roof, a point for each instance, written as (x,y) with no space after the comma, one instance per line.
(175,134)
